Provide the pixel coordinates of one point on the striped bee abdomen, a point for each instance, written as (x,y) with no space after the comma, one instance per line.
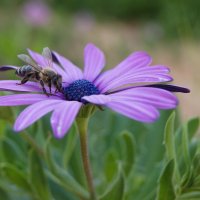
(24,70)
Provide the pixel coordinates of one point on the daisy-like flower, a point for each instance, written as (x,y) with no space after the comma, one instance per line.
(133,88)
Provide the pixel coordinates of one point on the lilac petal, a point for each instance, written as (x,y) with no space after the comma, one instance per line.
(39,59)
(12,85)
(152,68)
(94,62)
(134,110)
(140,80)
(8,67)
(23,99)
(35,112)
(71,70)
(63,117)
(156,97)
(134,61)
(100,99)
(171,88)
(143,75)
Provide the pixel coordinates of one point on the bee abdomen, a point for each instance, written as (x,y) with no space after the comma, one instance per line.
(22,71)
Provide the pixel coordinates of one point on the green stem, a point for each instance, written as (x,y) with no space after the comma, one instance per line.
(82,124)
(26,136)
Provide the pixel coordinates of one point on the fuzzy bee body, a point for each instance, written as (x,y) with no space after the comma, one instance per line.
(49,77)
(45,74)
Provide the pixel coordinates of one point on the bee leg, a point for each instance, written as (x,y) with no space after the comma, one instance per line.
(60,89)
(43,88)
(49,84)
(25,79)
(57,89)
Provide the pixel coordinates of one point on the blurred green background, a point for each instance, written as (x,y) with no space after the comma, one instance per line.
(168,30)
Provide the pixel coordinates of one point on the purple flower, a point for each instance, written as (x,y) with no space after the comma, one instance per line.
(36,13)
(133,88)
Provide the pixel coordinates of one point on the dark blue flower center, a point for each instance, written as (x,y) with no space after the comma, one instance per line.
(78,89)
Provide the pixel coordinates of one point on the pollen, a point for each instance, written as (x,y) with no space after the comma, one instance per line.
(78,89)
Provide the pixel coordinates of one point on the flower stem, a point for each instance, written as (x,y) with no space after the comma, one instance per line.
(82,124)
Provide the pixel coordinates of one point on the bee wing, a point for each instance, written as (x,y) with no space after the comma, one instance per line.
(8,67)
(29,61)
(48,57)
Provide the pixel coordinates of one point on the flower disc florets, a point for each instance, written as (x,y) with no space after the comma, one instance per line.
(78,89)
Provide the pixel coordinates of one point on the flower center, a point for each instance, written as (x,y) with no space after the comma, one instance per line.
(78,89)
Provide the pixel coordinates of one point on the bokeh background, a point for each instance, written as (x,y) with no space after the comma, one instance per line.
(168,29)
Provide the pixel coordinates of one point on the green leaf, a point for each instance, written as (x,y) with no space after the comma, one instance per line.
(2,128)
(15,176)
(61,176)
(3,194)
(6,114)
(190,196)
(11,150)
(193,147)
(124,152)
(193,125)
(169,137)
(68,183)
(116,189)
(185,147)
(129,156)
(169,141)
(75,166)
(186,179)
(37,177)
(165,188)
(196,181)
(196,165)
(72,139)
(110,168)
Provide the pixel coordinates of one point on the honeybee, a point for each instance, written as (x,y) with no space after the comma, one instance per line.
(45,75)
